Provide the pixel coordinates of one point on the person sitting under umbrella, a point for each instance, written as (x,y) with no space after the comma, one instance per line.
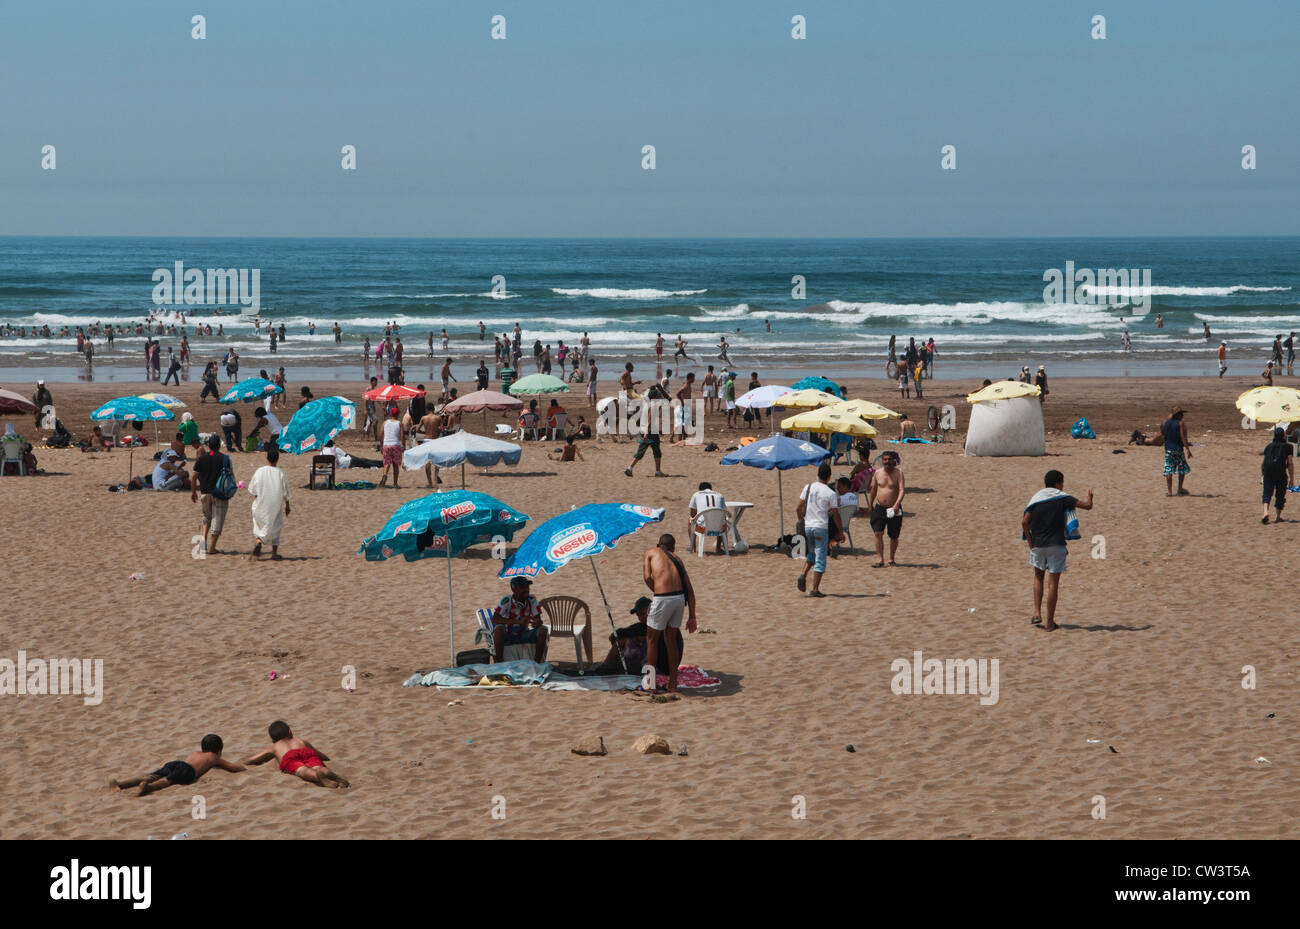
(517,620)
(344,460)
(631,641)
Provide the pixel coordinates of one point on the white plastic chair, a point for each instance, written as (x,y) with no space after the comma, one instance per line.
(11,452)
(568,616)
(847,512)
(711,523)
(559,425)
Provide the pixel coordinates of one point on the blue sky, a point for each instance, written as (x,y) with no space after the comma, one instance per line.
(756,134)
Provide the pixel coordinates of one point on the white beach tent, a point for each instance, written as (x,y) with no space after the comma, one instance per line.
(1006,420)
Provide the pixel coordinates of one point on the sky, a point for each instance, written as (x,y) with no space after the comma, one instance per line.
(755,133)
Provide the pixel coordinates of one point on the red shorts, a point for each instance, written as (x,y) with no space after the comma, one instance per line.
(392,456)
(300,758)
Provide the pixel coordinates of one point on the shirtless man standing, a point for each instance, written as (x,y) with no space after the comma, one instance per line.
(431,426)
(885,501)
(666,577)
(683,415)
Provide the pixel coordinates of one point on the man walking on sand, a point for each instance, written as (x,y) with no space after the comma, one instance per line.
(269,489)
(1173,435)
(819,512)
(665,575)
(1044,528)
(207,469)
(1223,359)
(885,503)
(1278,469)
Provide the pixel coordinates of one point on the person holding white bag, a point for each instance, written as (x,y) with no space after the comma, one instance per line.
(885,503)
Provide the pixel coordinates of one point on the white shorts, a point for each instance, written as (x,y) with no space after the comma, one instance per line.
(1049,558)
(731,405)
(666,611)
(711,390)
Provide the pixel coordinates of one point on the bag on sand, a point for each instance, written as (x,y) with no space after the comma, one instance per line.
(1082,430)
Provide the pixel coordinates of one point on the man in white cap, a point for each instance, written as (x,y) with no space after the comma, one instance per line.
(1040,380)
(42,399)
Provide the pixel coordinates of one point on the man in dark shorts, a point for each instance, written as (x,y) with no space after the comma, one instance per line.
(195,765)
(1278,469)
(650,439)
(885,501)
(1044,528)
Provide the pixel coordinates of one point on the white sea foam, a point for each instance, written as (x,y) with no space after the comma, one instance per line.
(1157,290)
(614,293)
(491,295)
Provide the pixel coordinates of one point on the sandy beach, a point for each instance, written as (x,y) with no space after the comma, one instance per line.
(1138,699)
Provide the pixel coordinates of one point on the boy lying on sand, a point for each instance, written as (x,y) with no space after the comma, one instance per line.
(297,756)
(195,765)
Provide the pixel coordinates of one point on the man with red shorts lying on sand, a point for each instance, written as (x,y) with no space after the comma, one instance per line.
(298,757)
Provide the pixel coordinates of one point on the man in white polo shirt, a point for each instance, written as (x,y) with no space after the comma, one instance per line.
(818,508)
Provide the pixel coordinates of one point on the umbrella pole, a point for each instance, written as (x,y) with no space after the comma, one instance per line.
(451,614)
(462,475)
(780,497)
(130,466)
(607,612)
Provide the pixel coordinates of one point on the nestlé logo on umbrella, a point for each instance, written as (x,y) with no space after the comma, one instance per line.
(572,542)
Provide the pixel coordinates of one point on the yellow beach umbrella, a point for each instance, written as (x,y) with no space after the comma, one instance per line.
(1271,404)
(1004,390)
(805,399)
(864,408)
(824,420)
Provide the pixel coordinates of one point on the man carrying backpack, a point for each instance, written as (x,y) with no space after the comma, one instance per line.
(208,471)
(1278,468)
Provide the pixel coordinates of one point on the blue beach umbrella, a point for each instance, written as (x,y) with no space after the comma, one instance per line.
(442,525)
(818,383)
(316,423)
(779,453)
(253,388)
(582,532)
(132,409)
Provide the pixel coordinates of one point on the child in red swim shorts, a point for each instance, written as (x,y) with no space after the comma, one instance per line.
(297,757)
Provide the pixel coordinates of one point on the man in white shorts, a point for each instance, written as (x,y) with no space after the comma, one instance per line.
(666,577)
(1044,527)
(710,391)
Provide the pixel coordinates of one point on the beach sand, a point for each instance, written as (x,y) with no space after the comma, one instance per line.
(1149,663)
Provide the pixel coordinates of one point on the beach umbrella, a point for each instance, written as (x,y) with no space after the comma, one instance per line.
(762,398)
(583,532)
(442,525)
(459,447)
(480,401)
(819,383)
(1004,390)
(11,402)
(1271,404)
(864,408)
(805,399)
(392,392)
(167,400)
(826,420)
(250,389)
(779,453)
(539,384)
(316,423)
(132,409)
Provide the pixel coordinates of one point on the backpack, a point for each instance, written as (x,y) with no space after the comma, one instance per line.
(1275,458)
(225,486)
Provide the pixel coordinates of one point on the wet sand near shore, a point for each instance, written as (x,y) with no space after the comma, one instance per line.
(1138,698)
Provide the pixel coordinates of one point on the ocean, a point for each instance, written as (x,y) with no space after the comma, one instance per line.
(981,300)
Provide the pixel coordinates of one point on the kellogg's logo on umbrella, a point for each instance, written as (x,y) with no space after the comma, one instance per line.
(438,542)
(452,513)
(572,542)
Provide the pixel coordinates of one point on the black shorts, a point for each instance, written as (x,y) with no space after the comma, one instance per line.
(1275,487)
(177,772)
(880,522)
(647,442)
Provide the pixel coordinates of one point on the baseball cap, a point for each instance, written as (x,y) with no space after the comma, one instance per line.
(642,603)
